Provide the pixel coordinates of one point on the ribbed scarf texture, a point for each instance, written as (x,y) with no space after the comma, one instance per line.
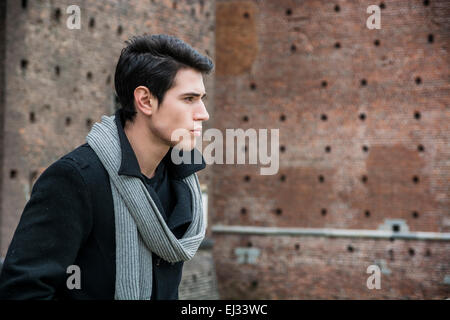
(140,227)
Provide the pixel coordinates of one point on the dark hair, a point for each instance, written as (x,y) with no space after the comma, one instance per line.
(153,61)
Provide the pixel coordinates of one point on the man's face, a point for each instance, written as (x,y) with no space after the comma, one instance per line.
(182,108)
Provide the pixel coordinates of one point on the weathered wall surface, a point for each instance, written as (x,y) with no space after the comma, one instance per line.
(363,118)
(364,137)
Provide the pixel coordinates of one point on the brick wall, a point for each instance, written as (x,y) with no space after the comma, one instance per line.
(364,135)
(330,268)
(363,118)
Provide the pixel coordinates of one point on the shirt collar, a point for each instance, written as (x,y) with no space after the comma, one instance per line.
(130,166)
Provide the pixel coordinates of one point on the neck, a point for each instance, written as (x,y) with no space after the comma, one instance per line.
(148,148)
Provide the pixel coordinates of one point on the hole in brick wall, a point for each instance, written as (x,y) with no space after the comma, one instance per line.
(337,8)
(249,244)
(391,239)
(428,253)
(321,178)
(24,64)
(68,121)
(382,5)
(363,82)
(430,38)
(426,3)
(24,4)
(194,278)
(193,12)
(13,173)
(282,118)
(91,22)
(293,48)
(367,213)
(337,45)
(278,211)
(297,246)
(57,14)
(349,248)
(415,179)
(391,254)
(47,107)
(324,84)
(282,148)
(364,178)
(174,5)
(246,15)
(323,117)
(254,284)
(119,30)
(88,123)
(415,214)
(365,148)
(283,178)
(89,75)
(245,118)
(243,211)
(247,178)
(253,86)
(288,12)
(417,115)
(395,228)
(327,149)
(420,148)
(32,117)
(411,251)
(376,42)
(418,80)
(202,6)
(362,116)
(57,70)
(323,211)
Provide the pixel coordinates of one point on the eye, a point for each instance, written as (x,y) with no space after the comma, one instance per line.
(190,99)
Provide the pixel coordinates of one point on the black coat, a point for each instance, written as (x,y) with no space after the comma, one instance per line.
(69,220)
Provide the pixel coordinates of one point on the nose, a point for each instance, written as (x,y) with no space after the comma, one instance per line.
(201,113)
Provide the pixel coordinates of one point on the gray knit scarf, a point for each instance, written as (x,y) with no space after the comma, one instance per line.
(140,228)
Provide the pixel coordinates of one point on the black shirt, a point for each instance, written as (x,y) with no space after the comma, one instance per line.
(160,184)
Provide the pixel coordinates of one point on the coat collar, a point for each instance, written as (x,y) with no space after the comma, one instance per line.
(130,166)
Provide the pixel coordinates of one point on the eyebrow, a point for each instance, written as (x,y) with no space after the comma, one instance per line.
(195,94)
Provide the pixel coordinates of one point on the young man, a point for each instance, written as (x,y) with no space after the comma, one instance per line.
(117,212)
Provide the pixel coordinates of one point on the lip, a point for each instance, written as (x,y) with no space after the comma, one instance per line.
(197,131)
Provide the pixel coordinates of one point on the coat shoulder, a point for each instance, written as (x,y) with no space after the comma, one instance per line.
(83,156)
(87,161)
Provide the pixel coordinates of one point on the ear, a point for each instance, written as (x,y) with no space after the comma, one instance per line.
(144,100)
